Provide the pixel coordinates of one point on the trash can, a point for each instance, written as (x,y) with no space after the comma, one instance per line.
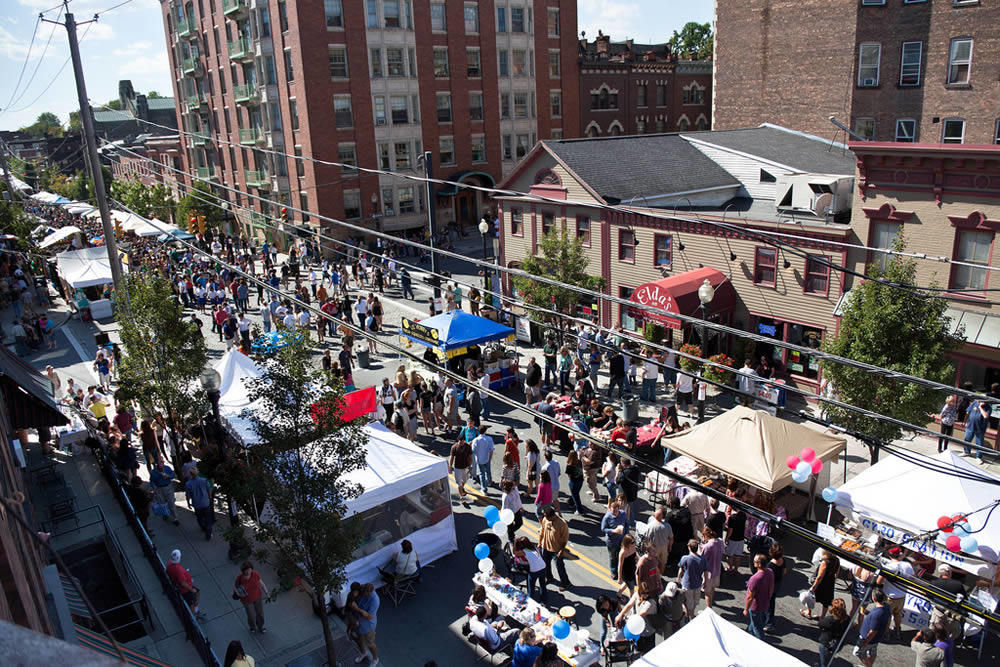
(630,407)
(362,354)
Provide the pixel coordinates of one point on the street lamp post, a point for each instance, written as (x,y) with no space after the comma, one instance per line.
(484,229)
(211,382)
(705,295)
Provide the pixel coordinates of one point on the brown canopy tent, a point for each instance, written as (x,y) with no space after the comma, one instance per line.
(753,446)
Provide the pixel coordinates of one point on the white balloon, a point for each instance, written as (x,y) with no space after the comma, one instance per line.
(500,530)
(635,624)
(803,468)
(507,517)
(486,565)
(583,635)
(799,476)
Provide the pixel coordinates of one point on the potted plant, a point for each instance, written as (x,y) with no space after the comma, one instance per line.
(653,332)
(690,365)
(716,374)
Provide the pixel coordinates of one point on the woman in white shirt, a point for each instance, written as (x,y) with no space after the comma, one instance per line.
(512,501)
(527,556)
(403,565)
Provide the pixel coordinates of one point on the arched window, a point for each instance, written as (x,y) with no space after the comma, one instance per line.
(702,123)
(683,125)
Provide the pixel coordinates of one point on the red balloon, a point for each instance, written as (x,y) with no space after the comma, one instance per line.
(792,461)
(944,523)
(817,465)
(960,518)
(954,543)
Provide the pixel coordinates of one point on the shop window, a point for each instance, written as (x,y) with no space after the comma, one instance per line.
(971,247)
(765,264)
(817,275)
(662,250)
(802,363)
(583,230)
(883,235)
(626,246)
(548,221)
(517,222)
(625,317)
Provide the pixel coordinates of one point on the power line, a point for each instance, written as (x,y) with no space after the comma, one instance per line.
(54,78)
(24,65)
(489,266)
(41,58)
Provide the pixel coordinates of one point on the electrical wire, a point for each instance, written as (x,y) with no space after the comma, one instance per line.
(41,58)
(904,582)
(599,296)
(24,65)
(55,78)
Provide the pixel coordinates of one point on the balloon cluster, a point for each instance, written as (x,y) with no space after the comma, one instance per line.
(960,538)
(634,627)
(498,520)
(804,464)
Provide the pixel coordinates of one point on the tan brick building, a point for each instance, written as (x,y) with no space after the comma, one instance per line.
(893,70)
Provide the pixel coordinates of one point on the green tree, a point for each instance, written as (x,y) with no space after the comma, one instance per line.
(115,104)
(13,220)
(164,354)
(562,259)
(194,203)
(898,329)
(153,95)
(46,125)
(149,201)
(305,457)
(693,38)
(74,124)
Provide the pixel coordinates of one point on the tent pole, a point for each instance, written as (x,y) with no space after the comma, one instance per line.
(811,516)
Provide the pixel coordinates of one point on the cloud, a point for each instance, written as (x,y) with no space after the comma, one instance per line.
(620,19)
(133,49)
(11,46)
(156,64)
(98,32)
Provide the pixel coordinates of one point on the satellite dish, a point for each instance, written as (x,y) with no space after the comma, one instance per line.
(823,204)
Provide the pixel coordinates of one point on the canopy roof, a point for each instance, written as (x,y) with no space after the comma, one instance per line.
(235,368)
(753,446)
(908,496)
(78,207)
(458,329)
(61,234)
(49,198)
(717,643)
(679,294)
(176,234)
(86,267)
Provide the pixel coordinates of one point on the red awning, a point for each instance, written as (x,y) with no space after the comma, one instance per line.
(679,294)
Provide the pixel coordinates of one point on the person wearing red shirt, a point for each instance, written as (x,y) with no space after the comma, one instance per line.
(185,585)
(510,447)
(250,590)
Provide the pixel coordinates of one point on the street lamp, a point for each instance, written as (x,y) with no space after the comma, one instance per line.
(211,382)
(484,229)
(705,295)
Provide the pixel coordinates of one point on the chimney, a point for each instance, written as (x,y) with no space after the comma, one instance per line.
(603,43)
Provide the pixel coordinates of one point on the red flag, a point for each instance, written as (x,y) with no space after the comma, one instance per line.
(358,403)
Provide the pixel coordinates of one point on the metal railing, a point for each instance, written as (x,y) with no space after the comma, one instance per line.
(246,93)
(183,28)
(234,6)
(256,178)
(250,136)
(239,49)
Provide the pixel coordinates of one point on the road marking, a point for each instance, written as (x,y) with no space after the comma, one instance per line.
(80,353)
(533,530)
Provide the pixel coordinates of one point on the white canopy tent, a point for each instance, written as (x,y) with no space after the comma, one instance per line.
(717,643)
(153,227)
(86,267)
(78,208)
(234,368)
(899,499)
(61,234)
(49,198)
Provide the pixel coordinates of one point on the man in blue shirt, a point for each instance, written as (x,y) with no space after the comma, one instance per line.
(199,497)
(482,448)
(614,525)
(976,421)
(161,479)
(368,605)
(526,650)
(493,635)
(873,629)
(690,576)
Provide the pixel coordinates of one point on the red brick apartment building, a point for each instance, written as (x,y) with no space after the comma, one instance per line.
(893,70)
(628,88)
(373,83)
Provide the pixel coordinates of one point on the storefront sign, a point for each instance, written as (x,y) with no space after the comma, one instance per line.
(652,294)
(522,329)
(420,332)
(936,551)
(767,329)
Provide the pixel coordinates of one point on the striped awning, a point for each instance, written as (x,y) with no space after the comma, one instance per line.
(77,606)
(101,644)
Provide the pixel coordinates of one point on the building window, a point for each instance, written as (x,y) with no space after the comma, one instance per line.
(817,275)
(352,204)
(865,127)
(475,106)
(909,68)
(953,131)
(338,62)
(548,222)
(390,14)
(395,62)
(504,105)
(663,250)
(767,177)
(765,264)
(401,151)
(473,67)
(501,19)
(555,104)
(446,150)
(282,17)
(471,19)
(517,19)
(303,204)
(694,94)
(376,59)
(555,70)
(626,246)
(443,107)
(438,21)
(517,222)
(507,141)
(379,110)
(520,105)
(440,62)
(996,132)
(520,58)
(625,317)
(346,155)
(293,108)
(523,146)
(906,130)
(334,13)
(342,111)
(641,95)
(553,22)
(583,230)
(883,235)
(371,12)
(300,165)
(661,95)
(959,60)
(400,112)
(406,202)
(869,56)
(289,71)
(387,199)
(972,247)
(503,62)
(478,148)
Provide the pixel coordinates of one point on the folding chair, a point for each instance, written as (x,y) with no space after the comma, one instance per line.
(621,651)
(397,588)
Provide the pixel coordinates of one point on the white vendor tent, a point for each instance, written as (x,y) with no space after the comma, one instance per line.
(899,499)
(78,208)
(234,368)
(85,268)
(61,234)
(717,643)
(49,198)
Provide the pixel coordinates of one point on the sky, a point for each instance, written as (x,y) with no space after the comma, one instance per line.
(128,42)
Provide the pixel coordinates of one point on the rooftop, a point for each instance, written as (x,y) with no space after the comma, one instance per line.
(800,151)
(160,103)
(111,116)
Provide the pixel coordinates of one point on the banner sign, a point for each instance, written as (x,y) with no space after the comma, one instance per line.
(420,332)
(935,550)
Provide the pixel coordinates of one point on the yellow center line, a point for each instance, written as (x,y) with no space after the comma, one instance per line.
(533,529)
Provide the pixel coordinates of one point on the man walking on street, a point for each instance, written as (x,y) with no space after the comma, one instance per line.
(614,525)
(532,382)
(161,478)
(873,629)
(199,497)
(592,458)
(482,447)
(660,535)
(759,589)
(182,581)
(368,605)
(459,462)
(250,590)
(553,538)
(407,283)
(616,368)
(549,352)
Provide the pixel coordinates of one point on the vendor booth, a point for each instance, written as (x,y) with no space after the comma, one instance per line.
(460,339)
(175,234)
(49,198)
(234,396)
(61,234)
(87,268)
(78,207)
(715,642)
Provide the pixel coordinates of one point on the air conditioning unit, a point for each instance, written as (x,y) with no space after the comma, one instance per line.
(817,194)
(379,122)
(868,83)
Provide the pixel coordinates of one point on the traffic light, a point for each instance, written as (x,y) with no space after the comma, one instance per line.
(284,214)
(194,224)
(202,227)
(118,229)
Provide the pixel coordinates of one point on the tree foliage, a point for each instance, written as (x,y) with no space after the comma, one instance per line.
(562,259)
(303,462)
(693,38)
(901,330)
(163,353)
(13,220)
(149,201)
(46,125)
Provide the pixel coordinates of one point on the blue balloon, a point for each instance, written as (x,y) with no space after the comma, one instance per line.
(482,551)
(830,494)
(970,545)
(491,511)
(961,529)
(560,629)
(492,519)
(629,634)
(799,476)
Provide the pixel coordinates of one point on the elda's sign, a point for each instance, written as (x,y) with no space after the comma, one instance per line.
(652,294)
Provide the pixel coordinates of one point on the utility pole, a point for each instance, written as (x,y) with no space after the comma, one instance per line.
(87,121)
(6,171)
(432,220)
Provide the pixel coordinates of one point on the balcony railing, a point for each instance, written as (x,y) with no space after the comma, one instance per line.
(206,172)
(193,102)
(256,179)
(251,136)
(183,28)
(200,138)
(235,7)
(191,66)
(247,94)
(240,49)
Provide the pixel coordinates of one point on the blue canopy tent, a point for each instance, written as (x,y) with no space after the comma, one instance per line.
(175,235)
